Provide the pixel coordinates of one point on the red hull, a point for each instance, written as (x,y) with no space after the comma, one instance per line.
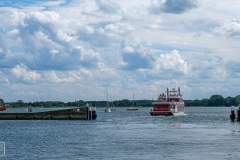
(161,114)
(3,108)
(156,113)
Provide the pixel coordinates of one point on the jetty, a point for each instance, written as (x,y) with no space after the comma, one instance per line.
(79,113)
(235,113)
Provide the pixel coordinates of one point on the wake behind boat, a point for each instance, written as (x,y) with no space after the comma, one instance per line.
(167,105)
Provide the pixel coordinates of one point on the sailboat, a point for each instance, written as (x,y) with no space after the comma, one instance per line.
(3,108)
(107,109)
(132,108)
(112,108)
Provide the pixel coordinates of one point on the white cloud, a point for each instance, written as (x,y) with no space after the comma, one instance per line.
(44,17)
(229,29)
(89,30)
(85,58)
(86,45)
(20,71)
(134,56)
(172,62)
(107,6)
(52,77)
(17,18)
(13,32)
(54,51)
(119,28)
(128,49)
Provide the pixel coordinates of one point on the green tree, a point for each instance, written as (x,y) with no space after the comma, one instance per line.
(125,102)
(237,100)
(215,100)
(229,101)
(204,101)
(20,103)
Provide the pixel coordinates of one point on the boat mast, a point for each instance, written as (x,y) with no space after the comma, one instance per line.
(167,94)
(133,100)
(111,100)
(107,97)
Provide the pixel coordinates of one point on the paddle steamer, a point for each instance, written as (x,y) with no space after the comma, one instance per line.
(168,104)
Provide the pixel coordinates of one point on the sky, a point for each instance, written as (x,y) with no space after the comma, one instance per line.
(67,50)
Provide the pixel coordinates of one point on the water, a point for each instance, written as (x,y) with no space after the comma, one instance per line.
(200,134)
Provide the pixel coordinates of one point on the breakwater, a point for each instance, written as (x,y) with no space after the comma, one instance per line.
(79,113)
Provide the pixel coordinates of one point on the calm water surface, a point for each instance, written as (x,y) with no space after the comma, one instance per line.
(200,134)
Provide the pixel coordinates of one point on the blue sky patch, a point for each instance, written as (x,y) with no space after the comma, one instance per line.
(161,47)
(18,3)
(16,49)
(2,31)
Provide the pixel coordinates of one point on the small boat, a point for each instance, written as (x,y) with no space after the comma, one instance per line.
(132,108)
(107,109)
(112,107)
(168,105)
(3,108)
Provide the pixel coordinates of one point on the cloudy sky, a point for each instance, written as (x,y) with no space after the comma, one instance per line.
(70,50)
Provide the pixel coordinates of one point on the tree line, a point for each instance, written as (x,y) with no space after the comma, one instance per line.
(214,100)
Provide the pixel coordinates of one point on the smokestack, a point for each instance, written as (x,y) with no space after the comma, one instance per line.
(179,90)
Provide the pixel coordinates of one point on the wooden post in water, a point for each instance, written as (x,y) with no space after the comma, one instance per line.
(238,117)
(232,116)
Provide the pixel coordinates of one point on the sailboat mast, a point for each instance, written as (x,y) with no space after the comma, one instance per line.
(133,99)
(111,100)
(107,97)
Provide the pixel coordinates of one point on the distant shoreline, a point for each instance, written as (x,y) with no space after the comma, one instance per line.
(105,107)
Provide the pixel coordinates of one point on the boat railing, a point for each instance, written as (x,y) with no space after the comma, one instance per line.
(174,96)
(169,102)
